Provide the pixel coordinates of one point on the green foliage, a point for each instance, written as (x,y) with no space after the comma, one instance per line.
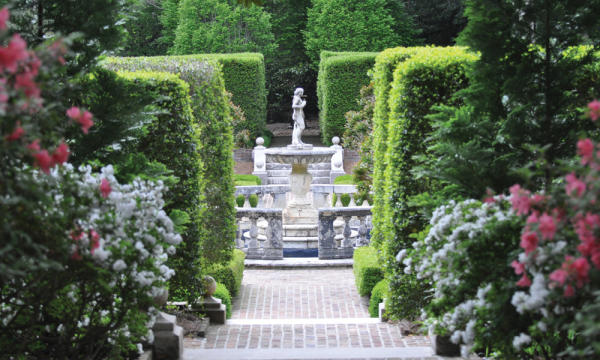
(253,200)
(240,200)
(440,22)
(378,295)
(345,199)
(340,25)
(334,198)
(245,179)
(172,138)
(222,293)
(218,26)
(513,53)
(230,274)
(430,76)
(169,18)
(213,125)
(343,180)
(359,124)
(144,29)
(367,269)
(341,77)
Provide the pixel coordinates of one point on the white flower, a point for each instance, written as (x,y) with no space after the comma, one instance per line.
(520,340)
(119,265)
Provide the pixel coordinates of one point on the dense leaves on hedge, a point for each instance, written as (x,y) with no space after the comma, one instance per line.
(222,293)
(230,274)
(378,295)
(210,105)
(430,76)
(367,269)
(341,76)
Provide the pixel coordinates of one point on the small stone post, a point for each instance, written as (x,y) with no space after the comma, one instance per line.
(168,337)
(253,250)
(260,161)
(347,243)
(362,231)
(274,244)
(337,160)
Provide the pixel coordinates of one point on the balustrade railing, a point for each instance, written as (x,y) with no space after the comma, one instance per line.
(272,247)
(329,247)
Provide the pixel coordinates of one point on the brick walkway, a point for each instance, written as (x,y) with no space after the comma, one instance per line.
(303,314)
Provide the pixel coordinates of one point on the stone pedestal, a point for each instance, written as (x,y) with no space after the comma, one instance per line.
(442,346)
(300,215)
(213,308)
(260,161)
(168,338)
(337,160)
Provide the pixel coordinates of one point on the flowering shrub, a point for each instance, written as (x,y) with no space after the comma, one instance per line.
(82,255)
(464,256)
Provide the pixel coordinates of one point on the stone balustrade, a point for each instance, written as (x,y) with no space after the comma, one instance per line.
(272,247)
(329,248)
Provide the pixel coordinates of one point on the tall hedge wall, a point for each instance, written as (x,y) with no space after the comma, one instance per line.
(211,110)
(430,76)
(244,75)
(172,139)
(341,76)
(383,73)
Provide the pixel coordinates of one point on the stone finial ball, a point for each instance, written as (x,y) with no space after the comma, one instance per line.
(335,140)
(260,141)
(210,285)
(161,297)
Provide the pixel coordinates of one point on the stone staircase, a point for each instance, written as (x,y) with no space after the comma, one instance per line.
(278,174)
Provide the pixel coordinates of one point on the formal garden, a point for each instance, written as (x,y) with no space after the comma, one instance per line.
(139,191)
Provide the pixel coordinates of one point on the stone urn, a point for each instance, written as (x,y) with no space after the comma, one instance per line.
(210,286)
(161,298)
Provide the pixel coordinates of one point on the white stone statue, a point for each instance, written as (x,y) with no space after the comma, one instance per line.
(298,116)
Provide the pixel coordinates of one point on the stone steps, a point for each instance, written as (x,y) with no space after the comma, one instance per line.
(300,242)
(278,174)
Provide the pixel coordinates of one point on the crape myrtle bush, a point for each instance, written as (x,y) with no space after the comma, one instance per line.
(243,73)
(430,76)
(341,76)
(211,111)
(367,271)
(230,274)
(546,305)
(83,256)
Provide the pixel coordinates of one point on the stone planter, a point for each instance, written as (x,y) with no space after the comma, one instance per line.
(442,346)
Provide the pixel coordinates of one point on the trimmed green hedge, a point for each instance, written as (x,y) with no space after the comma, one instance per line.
(244,179)
(211,108)
(231,274)
(429,77)
(347,179)
(172,139)
(378,295)
(367,270)
(341,76)
(222,293)
(383,73)
(244,75)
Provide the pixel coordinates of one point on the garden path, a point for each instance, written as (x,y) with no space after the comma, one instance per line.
(304,314)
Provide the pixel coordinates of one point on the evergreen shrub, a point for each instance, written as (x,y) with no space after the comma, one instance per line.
(243,73)
(210,105)
(378,295)
(367,270)
(222,293)
(253,200)
(240,200)
(430,76)
(345,199)
(231,274)
(341,76)
(172,138)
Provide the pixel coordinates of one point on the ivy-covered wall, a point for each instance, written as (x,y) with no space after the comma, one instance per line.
(211,110)
(430,76)
(244,76)
(341,76)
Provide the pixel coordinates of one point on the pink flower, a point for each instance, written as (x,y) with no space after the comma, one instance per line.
(569,291)
(574,184)
(105,188)
(76,236)
(524,281)
(594,108)
(581,268)
(95,243)
(529,241)
(25,82)
(585,148)
(533,218)
(43,161)
(520,199)
(61,154)
(11,55)
(519,267)
(86,121)
(547,226)
(16,134)
(73,112)
(4,15)
(35,145)
(596,258)
(559,276)
(76,256)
